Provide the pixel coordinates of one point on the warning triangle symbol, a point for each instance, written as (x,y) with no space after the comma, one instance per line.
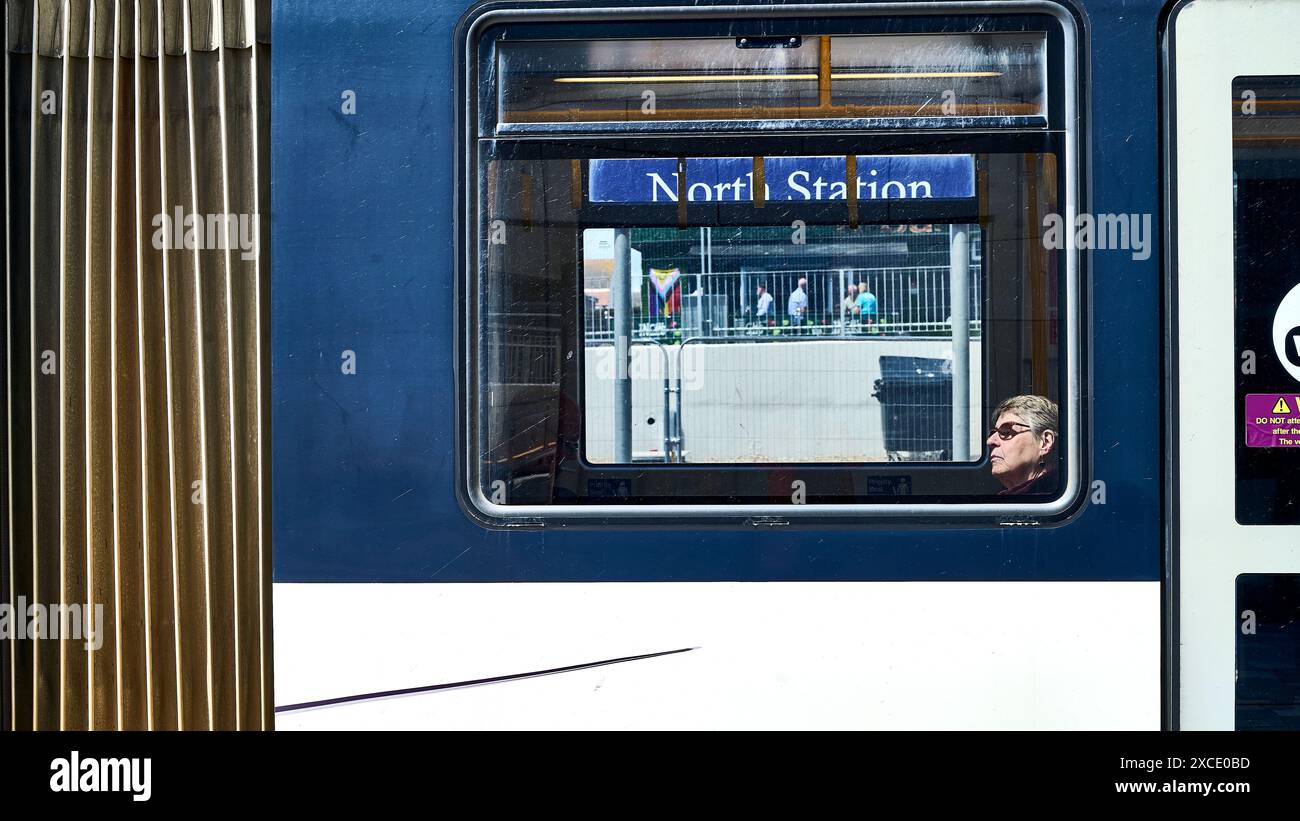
(1281,406)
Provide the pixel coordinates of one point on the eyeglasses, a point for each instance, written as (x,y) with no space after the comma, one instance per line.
(1008,430)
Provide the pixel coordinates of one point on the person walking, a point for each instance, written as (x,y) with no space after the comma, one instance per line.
(797,307)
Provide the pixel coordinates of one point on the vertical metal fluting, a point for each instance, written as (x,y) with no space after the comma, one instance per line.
(134,363)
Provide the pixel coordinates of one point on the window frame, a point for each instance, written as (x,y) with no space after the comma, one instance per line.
(1066,105)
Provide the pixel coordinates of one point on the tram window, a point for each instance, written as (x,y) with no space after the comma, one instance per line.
(779,348)
(975,74)
(1266,245)
(726,320)
(1268,655)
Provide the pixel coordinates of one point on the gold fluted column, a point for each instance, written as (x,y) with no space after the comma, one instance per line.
(136,365)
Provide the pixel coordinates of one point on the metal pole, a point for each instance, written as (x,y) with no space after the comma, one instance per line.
(959,298)
(667,418)
(708,235)
(678,438)
(620,295)
(845,316)
(744,296)
(704,254)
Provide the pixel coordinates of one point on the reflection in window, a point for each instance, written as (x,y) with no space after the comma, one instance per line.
(964,75)
(752,344)
(950,75)
(838,349)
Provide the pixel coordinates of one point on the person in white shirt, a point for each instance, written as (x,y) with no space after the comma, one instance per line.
(764,314)
(797,308)
(849,307)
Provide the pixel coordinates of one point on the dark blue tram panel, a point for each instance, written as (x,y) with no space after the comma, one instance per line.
(366,445)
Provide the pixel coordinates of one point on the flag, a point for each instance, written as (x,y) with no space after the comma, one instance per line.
(664,279)
(667,298)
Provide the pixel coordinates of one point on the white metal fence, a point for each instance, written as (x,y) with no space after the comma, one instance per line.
(902,301)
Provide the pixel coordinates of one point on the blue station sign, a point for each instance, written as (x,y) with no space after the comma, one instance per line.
(731,179)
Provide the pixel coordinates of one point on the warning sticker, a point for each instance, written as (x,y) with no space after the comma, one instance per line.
(1273,420)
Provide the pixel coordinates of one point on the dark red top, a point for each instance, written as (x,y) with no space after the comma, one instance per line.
(1043,484)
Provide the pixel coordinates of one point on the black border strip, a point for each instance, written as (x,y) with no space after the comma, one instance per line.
(1170,691)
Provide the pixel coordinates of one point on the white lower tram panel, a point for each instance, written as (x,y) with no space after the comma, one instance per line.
(844,655)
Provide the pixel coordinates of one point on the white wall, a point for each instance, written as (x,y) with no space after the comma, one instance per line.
(805,401)
(849,655)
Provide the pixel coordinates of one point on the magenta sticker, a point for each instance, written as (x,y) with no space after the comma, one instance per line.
(1273,420)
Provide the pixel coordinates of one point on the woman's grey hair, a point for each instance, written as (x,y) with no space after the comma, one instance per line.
(1039,413)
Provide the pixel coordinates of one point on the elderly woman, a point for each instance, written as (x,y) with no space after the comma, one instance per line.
(1022,445)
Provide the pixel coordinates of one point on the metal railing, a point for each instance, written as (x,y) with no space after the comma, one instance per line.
(906,300)
(645,378)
